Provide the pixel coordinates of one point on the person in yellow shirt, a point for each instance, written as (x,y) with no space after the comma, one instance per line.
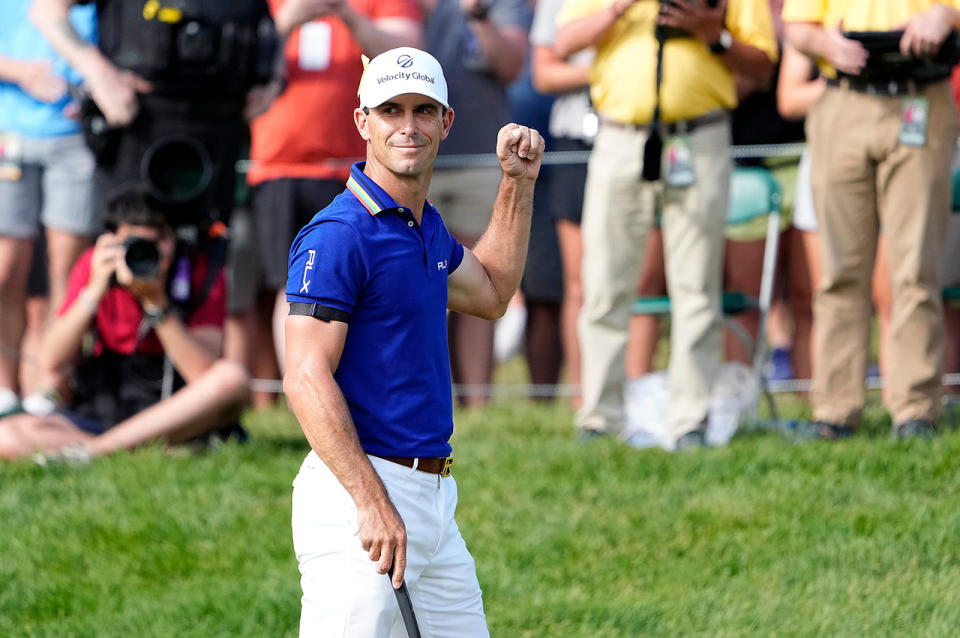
(688,109)
(881,141)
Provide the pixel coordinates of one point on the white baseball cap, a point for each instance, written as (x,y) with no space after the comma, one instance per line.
(398,71)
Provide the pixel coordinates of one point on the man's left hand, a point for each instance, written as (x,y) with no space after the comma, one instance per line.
(696,18)
(520,151)
(926,31)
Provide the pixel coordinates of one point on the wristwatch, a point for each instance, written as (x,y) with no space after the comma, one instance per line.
(155,314)
(723,43)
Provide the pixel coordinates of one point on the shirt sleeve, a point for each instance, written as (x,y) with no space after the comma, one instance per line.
(750,22)
(543,31)
(327,267)
(397,9)
(79,277)
(576,9)
(804,10)
(456,253)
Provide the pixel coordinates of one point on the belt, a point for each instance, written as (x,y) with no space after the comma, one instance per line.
(884,88)
(439,466)
(672,128)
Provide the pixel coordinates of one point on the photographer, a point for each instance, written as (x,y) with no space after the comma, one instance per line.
(664,105)
(171,86)
(881,140)
(134,324)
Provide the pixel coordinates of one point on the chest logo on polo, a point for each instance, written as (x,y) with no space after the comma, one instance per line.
(305,288)
(442,265)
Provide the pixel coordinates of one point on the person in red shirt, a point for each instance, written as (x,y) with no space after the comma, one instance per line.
(170,312)
(302,148)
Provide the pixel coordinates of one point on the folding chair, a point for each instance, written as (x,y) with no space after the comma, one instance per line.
(754,191)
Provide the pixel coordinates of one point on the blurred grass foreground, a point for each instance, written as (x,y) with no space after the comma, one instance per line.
(761,538)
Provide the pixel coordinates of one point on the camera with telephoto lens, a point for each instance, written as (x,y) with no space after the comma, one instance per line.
(142,256)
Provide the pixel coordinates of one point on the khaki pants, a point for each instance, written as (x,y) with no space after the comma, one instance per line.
(618,213)
(863,181)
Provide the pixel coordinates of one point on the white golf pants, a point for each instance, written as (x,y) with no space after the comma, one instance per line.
(344,596)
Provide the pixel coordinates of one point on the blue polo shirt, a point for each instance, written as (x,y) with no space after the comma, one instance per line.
(364,260)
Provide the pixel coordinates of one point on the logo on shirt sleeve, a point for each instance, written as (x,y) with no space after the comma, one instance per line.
(305,288)
(442,265)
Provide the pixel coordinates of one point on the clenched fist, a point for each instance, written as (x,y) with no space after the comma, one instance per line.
(520,151)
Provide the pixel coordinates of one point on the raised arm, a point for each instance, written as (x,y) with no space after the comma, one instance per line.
(587,31)
(489,275)
(553,75)
(63,339)
(313,353)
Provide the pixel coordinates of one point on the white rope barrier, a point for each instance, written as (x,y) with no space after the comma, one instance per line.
(560,158)
(547,390)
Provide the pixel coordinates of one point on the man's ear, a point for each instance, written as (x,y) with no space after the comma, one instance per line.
(360,119)
(447,123)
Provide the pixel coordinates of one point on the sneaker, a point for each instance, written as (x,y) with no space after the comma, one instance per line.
(822,430)
(585,435)
(781,365)
(72,455)
(691,441)
(9,402)
(41,403)
(916,429)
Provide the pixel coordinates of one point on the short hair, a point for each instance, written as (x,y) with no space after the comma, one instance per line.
(133,204)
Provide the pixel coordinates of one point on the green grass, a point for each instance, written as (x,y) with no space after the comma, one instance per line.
(761,538)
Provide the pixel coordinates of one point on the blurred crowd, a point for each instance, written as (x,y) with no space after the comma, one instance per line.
(127,315)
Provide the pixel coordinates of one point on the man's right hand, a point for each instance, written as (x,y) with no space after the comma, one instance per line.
(384,536)
(107,254)
(115,92)
(846,55)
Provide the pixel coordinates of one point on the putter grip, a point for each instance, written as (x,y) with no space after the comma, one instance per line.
(406,607)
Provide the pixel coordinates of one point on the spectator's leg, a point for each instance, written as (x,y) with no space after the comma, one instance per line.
(840,129)
(882,291)
(465,199)
(542,342)
(471,349)
(914,195)
(571,251)
(217,396)
(280,311)
(645,329)
(33,377)
(15,255)
(742,269)
(693,236)
(617,217)
(23,434)
(804,274)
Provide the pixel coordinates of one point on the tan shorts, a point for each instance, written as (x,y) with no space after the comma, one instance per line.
(464,197)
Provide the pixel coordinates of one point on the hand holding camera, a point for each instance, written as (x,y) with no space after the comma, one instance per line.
(702,19)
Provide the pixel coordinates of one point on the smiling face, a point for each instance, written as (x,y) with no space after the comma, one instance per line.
(404,133)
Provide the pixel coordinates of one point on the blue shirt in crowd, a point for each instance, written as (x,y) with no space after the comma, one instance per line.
(19,112)
(364,260)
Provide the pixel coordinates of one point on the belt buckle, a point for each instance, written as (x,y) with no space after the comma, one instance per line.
(445,470)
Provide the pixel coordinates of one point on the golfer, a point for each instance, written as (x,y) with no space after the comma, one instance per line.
(368,374)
